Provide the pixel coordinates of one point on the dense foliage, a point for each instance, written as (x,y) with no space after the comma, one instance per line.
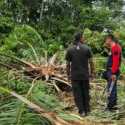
(32,29)
(54,23)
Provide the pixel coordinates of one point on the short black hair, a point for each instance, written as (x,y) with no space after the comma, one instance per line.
(111,36)
(77,37)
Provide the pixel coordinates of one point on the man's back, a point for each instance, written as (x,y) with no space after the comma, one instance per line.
(79,57)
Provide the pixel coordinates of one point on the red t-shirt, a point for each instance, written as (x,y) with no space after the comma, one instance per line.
(116,57)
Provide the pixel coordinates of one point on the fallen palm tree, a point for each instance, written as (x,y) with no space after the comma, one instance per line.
(55,75)
(53,117)
(48,70)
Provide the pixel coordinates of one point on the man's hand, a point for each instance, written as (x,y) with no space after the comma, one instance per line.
(68,71)
(108,94)
(93,74)
(113,78)
(69,78)
(92,70)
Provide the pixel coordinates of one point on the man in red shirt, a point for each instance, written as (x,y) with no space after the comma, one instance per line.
(113,70)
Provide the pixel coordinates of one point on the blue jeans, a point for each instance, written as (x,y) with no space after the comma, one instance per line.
(112,98)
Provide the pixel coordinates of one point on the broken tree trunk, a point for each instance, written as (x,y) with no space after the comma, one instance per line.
(49,71)
(53,117)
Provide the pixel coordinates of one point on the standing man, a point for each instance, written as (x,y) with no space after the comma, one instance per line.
(78,57)
(113,70)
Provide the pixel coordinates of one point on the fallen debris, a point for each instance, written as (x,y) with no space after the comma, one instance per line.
(49,71)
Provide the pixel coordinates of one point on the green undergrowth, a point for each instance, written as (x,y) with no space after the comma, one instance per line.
(98,105)
(15,112)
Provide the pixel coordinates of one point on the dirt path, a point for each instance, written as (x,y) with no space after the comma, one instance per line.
(91,122)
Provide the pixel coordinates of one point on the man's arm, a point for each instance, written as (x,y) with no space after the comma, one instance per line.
(68,64)
(92,70)
(91,63)
(116,61)
(68,69)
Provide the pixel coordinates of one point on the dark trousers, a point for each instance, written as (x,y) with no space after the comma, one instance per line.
(112,98)
(81,95)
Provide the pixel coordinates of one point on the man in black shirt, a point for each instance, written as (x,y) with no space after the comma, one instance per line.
(78,57)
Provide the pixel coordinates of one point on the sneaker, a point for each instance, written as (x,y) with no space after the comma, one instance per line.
(83,114)
(111,109)
(106,109)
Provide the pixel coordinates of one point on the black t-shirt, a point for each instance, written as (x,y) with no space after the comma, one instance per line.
(79,56)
